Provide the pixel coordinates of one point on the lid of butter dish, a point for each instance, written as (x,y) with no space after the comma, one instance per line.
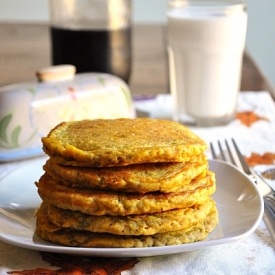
(28,111)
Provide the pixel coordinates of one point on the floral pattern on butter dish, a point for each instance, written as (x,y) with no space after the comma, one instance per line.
(10,139)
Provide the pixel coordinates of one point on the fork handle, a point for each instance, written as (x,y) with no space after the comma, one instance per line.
(269,219)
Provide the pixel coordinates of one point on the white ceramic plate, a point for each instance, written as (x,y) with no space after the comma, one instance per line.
(238,200)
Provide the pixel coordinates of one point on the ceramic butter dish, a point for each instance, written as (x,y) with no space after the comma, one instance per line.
(29,111)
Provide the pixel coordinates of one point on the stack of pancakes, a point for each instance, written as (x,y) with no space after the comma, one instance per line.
(125,183)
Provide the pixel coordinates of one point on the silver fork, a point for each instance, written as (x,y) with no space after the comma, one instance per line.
(231,153)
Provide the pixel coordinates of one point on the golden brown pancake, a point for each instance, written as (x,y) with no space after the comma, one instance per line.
(125,183)
(104,202)
(77,238)
(119,142)
(139,178)
(144,224)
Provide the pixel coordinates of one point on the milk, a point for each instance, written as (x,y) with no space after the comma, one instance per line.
(205,61)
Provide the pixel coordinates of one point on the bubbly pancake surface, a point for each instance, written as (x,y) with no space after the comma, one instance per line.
(139,178)
(119,142)
(78,238)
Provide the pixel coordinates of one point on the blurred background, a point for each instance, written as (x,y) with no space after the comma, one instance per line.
(260,35)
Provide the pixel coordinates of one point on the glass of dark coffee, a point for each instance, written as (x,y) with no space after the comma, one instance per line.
(93,35)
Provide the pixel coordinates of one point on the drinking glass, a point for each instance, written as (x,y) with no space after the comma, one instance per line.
(206,41)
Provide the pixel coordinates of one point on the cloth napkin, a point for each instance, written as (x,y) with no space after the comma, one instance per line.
(254,254)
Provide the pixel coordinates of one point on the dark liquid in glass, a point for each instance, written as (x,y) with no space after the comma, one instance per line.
(106,51)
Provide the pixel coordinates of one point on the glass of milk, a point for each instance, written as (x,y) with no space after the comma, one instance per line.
(206,41)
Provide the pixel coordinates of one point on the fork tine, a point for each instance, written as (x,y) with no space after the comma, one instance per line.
(222,151)
(241,158)
(230,153)
(214,155)
(226,152)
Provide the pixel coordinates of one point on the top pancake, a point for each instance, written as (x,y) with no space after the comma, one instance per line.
(120,142)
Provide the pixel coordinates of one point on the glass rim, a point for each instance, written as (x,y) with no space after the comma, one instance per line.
(199,5)
(203,7)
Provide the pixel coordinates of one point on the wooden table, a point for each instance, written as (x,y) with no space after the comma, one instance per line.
(25,48)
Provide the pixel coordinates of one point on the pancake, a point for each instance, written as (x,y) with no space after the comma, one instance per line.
(70,237)
(146,224)
(120,142)
(104,202)
(139,178)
